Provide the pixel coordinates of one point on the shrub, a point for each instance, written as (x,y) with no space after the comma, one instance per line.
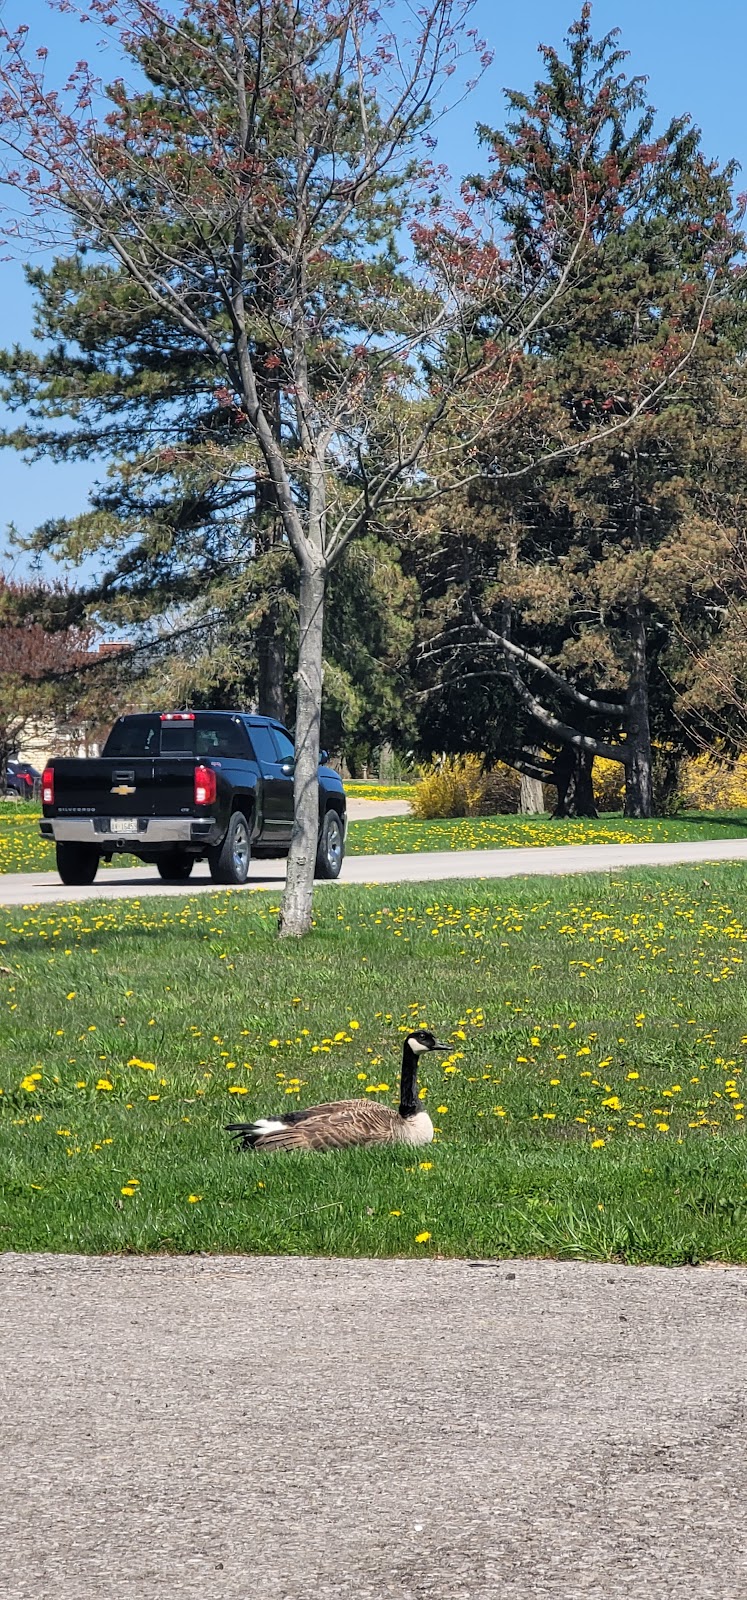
(708,785)
(452,786)
(502,790)
(459,786)
(608,778)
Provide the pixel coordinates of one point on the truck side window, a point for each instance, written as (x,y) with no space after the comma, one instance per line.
(264,748)
(221,736)
(286,750)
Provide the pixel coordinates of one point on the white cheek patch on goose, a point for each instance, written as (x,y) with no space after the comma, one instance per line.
(268,1125)
(417,1046)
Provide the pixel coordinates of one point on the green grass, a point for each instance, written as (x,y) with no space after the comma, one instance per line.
(591,1104)
(405,835)
(22,848)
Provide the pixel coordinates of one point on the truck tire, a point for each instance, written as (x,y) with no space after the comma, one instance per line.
(229,862)
(331,847)
(175,868)
(77,863)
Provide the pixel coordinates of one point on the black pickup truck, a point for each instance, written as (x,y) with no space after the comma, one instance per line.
(178,786)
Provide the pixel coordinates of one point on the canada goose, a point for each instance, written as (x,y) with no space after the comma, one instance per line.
(349,1122)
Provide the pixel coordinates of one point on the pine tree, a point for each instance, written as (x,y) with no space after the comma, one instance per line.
(574,581)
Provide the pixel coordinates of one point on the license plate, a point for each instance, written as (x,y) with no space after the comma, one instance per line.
(123,825)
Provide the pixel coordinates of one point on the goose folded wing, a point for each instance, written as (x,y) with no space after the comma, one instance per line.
(332,1127)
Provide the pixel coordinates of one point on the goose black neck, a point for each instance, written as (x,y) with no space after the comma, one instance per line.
(408,1088)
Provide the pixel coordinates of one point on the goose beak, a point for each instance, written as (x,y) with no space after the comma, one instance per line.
(438,1046)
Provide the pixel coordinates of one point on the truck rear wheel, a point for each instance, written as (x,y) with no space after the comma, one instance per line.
(77,863)
(229,862)
(176,867)
(331,847)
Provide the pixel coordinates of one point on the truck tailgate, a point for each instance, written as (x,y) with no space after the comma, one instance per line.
(129,787)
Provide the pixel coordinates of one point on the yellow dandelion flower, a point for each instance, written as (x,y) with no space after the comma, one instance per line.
(422,1238)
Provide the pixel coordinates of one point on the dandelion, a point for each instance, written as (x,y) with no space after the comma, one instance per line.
(422,1238)
(596,1144)
(425,1166)
(194,1199)
(104,1083)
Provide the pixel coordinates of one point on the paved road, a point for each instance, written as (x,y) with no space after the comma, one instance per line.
(34,888)
(310,1430)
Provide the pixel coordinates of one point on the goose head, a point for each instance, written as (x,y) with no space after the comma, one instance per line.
(421,1040)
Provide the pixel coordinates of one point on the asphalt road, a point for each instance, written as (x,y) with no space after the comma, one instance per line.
(35,888)
(259,1429)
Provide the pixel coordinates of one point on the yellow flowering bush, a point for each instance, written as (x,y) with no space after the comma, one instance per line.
(609,784)
(452,786)
(708,785)
(461,786)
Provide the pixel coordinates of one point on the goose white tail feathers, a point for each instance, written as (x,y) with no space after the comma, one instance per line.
(340,1124)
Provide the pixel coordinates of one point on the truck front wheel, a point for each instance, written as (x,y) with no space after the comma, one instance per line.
(331,847)
(229,862)
(77,863)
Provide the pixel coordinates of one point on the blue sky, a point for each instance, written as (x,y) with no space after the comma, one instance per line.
(692,52)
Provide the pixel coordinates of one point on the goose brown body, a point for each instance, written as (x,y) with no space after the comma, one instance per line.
(339,1124)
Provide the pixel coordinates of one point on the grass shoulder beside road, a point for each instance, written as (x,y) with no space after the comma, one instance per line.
(23,850)
(591,1104)
(406,836)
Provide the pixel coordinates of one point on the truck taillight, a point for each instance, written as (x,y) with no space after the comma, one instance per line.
(206,786)
(48,786)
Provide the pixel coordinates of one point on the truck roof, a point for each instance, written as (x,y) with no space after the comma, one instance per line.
(248,716)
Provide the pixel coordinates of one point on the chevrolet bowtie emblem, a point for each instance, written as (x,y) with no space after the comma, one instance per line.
(123,788)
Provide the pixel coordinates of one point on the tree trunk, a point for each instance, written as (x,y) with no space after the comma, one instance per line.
(531,796)
(531,793)
(572,774)
(639,783)
(271,656)
(270,642)
(295,917)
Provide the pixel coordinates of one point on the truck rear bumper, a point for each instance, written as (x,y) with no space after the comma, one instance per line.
(147,833)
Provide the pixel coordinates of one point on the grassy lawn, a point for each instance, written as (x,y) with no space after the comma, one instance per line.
(403,835)
(590,1106)
(23,850)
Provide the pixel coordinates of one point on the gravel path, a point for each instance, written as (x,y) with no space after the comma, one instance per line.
(123,883)
(260,1429)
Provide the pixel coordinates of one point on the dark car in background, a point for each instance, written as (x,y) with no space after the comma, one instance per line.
(24,782)
(175,787)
